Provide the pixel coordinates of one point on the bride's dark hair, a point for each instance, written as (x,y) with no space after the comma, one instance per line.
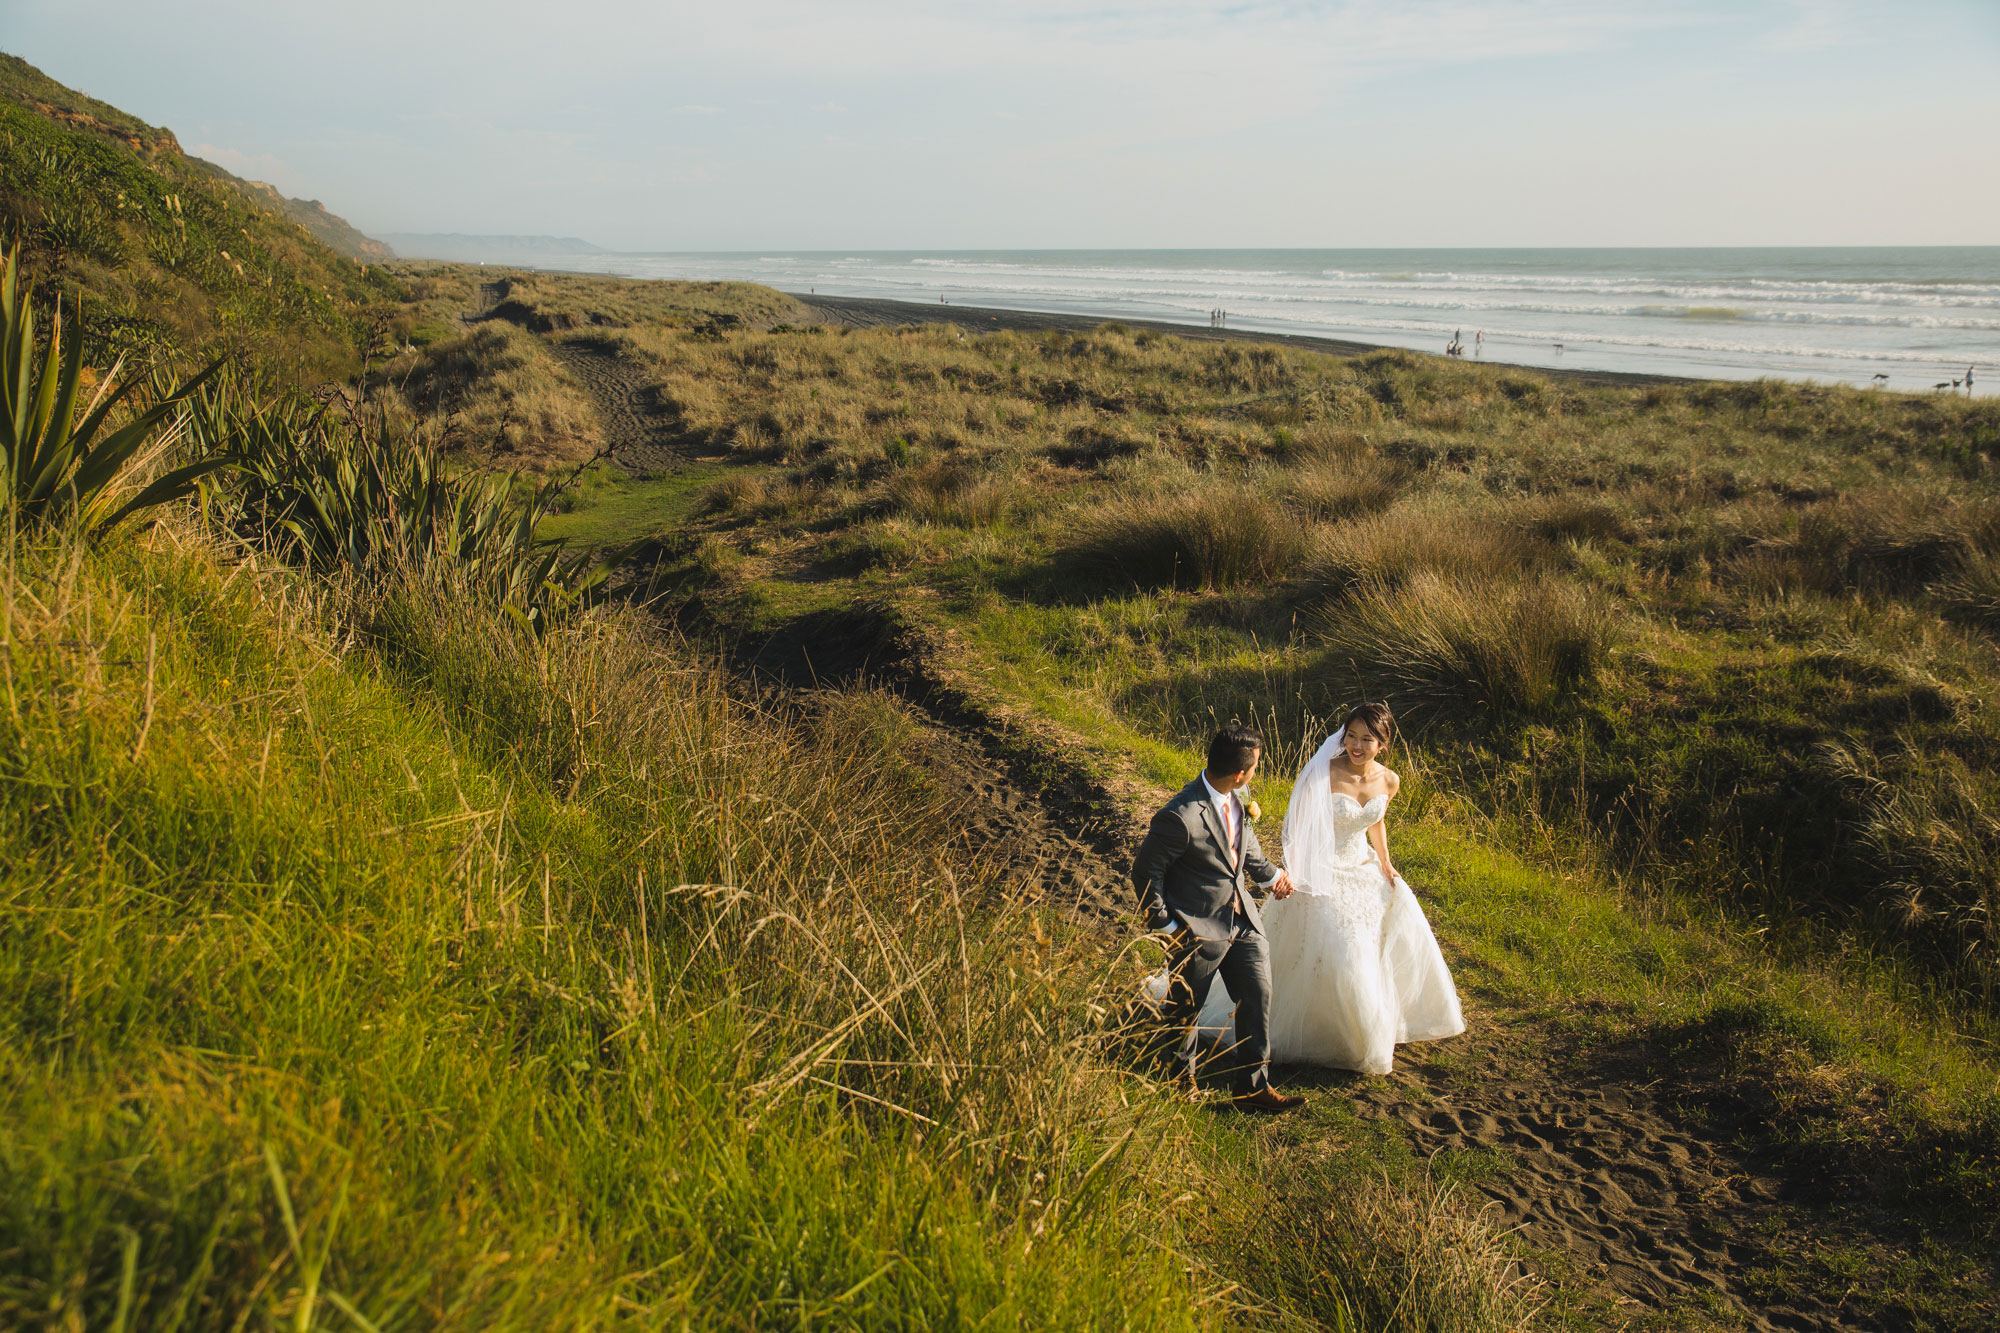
(1376,717)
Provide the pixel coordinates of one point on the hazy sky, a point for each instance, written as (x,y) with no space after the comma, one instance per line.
(747,124)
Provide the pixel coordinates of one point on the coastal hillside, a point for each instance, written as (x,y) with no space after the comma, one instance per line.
(168,252)
(618,817)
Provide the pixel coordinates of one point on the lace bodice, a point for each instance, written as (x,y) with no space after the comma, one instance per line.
(1349,848)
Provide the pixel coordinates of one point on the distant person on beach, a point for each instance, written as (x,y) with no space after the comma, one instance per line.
(1968,381)
(1479,343)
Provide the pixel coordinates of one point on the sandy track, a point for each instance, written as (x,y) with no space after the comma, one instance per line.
(1597,1168)
(1047,832)
(642,436)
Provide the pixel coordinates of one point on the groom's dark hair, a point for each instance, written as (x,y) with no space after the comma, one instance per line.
(1233,748)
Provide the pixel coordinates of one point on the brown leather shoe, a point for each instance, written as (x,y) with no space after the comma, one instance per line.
(1267,1099)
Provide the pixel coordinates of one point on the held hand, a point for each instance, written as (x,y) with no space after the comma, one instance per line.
(1389,872)
(1282,886)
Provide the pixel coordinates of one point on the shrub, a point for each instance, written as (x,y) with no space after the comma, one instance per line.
(332,492)
(1518,646)
(1216,537)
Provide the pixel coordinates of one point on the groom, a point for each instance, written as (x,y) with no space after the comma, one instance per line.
(1193,874)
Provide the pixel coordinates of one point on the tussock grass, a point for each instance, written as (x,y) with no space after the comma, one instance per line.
(1703,523)
(1336,492)
(1433,536)
(1525,647)
(952,494)
(1216,536)
(1971,593)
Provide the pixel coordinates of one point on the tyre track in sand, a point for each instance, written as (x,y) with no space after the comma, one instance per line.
(642,435)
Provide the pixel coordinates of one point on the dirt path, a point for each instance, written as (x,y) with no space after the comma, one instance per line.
(1602,1174)
(641,434)
(1614,1184)
(1044,830)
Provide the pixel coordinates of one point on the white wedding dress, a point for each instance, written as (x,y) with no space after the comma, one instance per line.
(1354,966)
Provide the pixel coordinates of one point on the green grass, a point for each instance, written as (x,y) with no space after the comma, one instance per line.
(363,956)
(608,507)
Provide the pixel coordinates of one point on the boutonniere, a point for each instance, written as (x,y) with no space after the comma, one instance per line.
(1254,810)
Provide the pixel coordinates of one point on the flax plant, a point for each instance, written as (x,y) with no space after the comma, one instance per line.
(58,471)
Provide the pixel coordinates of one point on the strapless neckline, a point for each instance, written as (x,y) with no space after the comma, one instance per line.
(1378,796)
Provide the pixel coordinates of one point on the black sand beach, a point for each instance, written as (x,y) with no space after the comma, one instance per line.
(867,312)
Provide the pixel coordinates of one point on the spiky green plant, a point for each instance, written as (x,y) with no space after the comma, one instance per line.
(330,490)
(59,470)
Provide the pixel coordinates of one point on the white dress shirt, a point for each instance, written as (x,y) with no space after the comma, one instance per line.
(1230,807)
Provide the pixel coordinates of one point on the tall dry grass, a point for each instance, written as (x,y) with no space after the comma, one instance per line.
(1528,647)
(499,392)
(1218,535)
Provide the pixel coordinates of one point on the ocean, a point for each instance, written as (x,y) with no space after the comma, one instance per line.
(1915,316)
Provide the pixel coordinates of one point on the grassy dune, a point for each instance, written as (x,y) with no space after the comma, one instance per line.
(1713,655)
(1732,616)
(476,354)
(170,255)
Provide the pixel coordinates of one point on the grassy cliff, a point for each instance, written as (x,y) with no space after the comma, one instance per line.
(169,253)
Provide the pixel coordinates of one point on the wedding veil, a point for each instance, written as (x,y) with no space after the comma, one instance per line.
(1309,834)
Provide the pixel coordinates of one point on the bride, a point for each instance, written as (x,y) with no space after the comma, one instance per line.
(1354,966)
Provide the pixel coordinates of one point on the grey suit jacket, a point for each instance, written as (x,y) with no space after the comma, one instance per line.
(1184,873)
